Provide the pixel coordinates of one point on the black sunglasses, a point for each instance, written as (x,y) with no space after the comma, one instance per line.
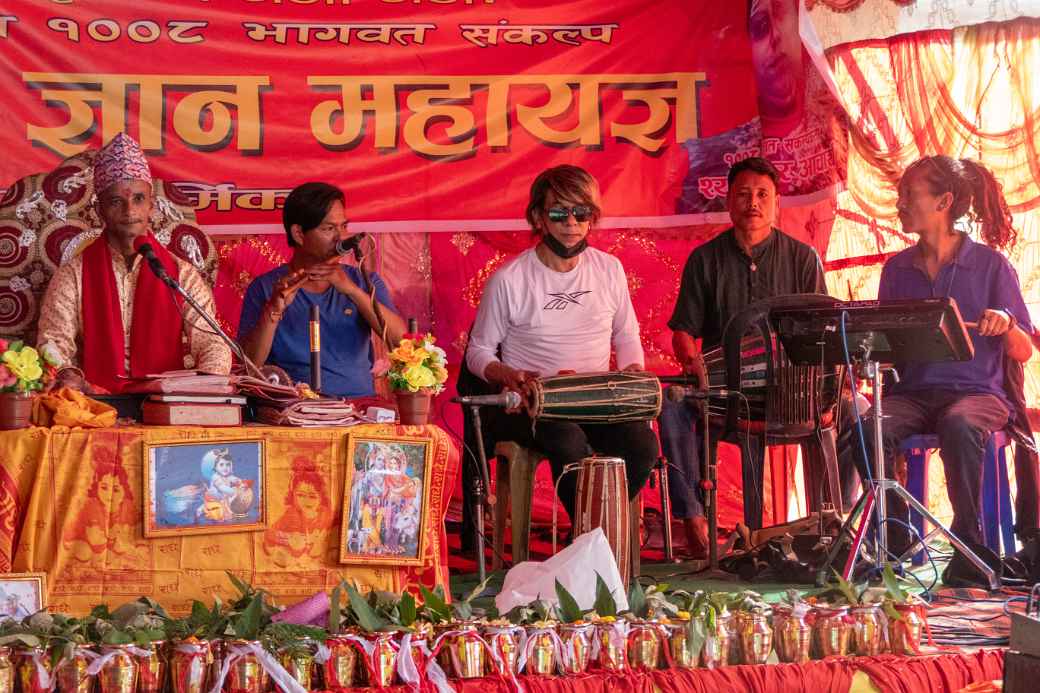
(581,213)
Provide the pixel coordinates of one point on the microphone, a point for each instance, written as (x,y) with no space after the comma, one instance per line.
(145,249)
(507,399)
(677,393)
(346,245)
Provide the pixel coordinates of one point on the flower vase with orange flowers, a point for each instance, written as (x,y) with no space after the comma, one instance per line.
(418,370)
(23,370)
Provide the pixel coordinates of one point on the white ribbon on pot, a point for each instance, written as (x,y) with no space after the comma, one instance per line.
(269,664)
(99,661)
(409,671)
(42,674)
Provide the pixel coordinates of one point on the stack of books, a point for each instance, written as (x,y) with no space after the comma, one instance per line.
(192,409)
(189,398)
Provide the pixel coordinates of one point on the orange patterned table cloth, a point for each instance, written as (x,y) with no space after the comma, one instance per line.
(72,504)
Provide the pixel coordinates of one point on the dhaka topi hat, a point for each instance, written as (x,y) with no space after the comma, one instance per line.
(120,160)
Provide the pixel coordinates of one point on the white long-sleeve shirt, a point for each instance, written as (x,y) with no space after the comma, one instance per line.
(547,321)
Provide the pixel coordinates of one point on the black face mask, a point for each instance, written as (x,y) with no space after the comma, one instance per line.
(560,250)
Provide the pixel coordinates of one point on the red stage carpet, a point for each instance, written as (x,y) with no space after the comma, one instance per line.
(948,672)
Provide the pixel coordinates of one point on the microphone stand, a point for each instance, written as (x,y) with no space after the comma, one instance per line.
(479,492)
(236,349)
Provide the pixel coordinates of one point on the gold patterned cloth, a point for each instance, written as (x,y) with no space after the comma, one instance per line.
(61,322)
(74,502)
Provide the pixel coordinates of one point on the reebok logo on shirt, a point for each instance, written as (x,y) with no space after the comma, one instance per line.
(560,301)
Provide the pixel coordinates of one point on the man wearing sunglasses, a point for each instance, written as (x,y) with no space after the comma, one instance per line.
(746,263)
(559,307)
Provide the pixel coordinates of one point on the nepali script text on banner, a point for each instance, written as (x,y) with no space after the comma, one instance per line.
(430,114)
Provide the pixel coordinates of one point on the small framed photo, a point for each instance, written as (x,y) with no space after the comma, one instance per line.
(204,488)
(21,594)
(385,506)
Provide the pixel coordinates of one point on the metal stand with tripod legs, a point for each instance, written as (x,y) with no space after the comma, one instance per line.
(873,498)
(896,331)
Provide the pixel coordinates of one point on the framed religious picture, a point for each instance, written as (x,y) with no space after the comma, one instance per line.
(21,594)
(204,488)
(385,505)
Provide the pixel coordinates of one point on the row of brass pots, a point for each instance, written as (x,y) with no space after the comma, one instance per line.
(470,651)
(192,668)
(842,630)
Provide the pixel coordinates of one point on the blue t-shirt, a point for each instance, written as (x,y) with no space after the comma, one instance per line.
(978,278)
(346,344)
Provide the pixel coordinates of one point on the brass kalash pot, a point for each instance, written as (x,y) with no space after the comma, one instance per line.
(611,641)
(33,670)
(644,645)
(505,640)
(245,673)
(576,646)
(542,644)
(340,669)
(716,650)
(832,629)
(792,633)
(190,662)
(6,670)
(754,636)
(677,650)
(868,635)
(298,661)
(461,652)
(904,633)
(151,667)
(118,672)
(72,671)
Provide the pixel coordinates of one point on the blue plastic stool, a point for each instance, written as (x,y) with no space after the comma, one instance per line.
(997,511)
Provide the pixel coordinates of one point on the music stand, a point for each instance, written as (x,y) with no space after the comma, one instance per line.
(873,333)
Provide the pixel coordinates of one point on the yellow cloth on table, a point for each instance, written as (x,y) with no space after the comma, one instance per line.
(111,514)
(72,408)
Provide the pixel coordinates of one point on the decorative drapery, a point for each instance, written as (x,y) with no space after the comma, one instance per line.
(846,21)
(968,93)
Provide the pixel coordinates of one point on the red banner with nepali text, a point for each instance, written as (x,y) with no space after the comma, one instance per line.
(430,114)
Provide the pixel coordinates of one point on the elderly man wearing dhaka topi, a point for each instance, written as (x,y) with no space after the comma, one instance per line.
(107,314)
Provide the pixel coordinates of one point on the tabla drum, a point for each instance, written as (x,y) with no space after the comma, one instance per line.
(610,397)
(602,501)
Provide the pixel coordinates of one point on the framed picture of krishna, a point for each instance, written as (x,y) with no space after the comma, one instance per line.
(385,506)
(204,488)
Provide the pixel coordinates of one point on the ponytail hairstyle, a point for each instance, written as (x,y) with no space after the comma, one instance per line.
(974,189)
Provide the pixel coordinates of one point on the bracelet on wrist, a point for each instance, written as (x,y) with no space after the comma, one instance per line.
(1012,320)
(273,315)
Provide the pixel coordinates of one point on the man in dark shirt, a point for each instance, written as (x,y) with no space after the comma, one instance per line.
(749,262)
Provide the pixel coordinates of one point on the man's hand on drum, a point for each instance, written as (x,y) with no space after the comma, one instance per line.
(633,368)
